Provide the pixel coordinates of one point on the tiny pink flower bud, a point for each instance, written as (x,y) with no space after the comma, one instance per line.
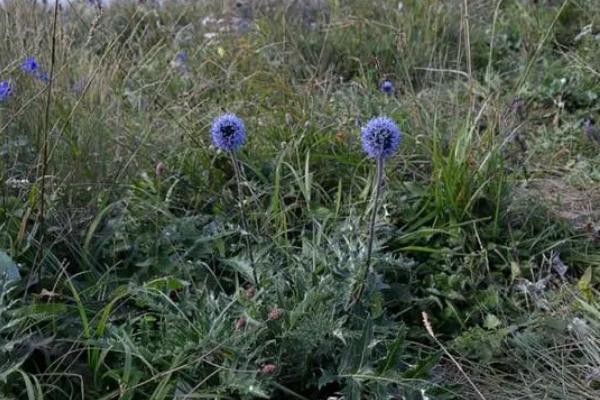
(250,292)
(275,314)
(240,323)
(160,169)
(268,369)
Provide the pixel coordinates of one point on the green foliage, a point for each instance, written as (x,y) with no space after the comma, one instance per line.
(135,284)
(558,346)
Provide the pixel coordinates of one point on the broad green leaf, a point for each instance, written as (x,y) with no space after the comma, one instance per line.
(8,268)
(491,322)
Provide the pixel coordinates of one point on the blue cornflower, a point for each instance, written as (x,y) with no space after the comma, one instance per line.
(182,57)
(30,66)
(43,76)
(381,138)
(5,91)
(228,132)
(387,87)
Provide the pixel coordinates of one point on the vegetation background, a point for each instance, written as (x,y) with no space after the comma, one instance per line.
(123,268)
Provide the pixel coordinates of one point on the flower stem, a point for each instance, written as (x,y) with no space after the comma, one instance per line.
(377,190)
(238,179)
(377,194)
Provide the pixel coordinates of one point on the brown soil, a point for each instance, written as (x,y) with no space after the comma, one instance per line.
(581,207)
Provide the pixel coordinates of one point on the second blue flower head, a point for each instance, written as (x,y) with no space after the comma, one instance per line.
(228,132)
(381,138)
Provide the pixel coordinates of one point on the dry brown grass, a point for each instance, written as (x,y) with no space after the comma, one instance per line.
(578,206)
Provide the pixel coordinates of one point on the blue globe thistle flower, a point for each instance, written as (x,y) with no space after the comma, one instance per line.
(30,66)
(387,87)
(381,138)
(5,91)
(228,132)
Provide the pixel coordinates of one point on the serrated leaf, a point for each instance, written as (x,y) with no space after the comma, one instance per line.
(9,270)
(257,391)
(515,270)
(240,265)
(585,283)
(422,368)
(491,322)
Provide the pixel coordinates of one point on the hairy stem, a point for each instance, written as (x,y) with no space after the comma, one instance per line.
(238,179)
(377,190)
(371,238)
(365,274)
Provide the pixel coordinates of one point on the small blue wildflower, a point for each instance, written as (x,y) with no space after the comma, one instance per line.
(43,76)
(381,138)
(182,57)
(79,85)
(5,91)
(228,132)
(30,66)
(387,87)
(180,62)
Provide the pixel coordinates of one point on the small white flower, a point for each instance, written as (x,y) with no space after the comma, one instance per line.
(208,20)
(16,183)
(578,326)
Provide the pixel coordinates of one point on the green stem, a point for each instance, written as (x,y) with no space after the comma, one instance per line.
(378,184)
(238,180)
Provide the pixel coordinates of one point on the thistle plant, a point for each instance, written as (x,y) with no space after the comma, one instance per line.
(381,138)
(228,134)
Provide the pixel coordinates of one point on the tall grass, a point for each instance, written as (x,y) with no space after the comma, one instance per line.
(130,289)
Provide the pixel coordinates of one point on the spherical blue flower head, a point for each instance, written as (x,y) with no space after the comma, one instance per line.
(5,91)
(228,132)
(30,66)
(381,138)
(387,87)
